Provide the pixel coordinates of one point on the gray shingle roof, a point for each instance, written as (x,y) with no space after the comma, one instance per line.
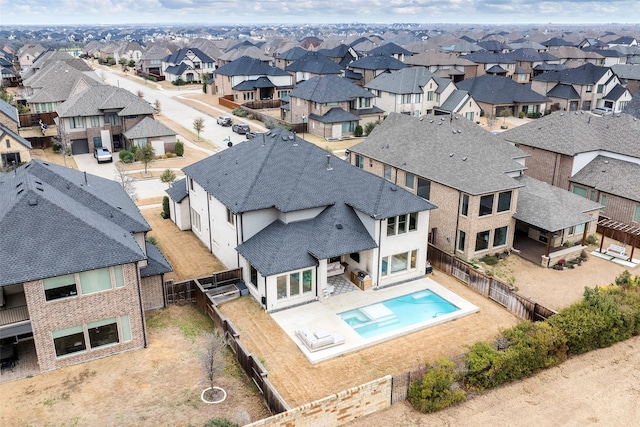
(148,128)
(571,133)
(96,99)
(585,74)
(551,208)
(280,170)
(58,81)
(331,88)
(454,100)
(564,91)
(178,191)
(247,66)
(377,62)
(315,63)
(627,71)
(156,262)
(53,222)
(473,160)
(407,80)
(389,49)
(613,176)
(500,90)
(9,110)
(615,93)
(179,55)
(6,131)
(335,115)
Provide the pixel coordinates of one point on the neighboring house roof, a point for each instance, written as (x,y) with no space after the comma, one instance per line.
(531,55)
(563,91)
(178,191)
(496,90)
(260,82)
(177,70)
(315,63)
(627,71)
(434,57)
(616,93)
(389,49)
(633,107)
(156,262)
(485,57)
(324,89)
(454,101)
(292,54)
(148,128)
(493,45)
(557,41)
(279,170)
(179,55)
(10,111)
(55,221)
(377,62)
(7,131)
(551,208)
(462,46)
(549,67)
(95,100)
(58,81)
(247,66)
(529,44)
(496,69)
(407,80)
(571,133)
(612,176)
(582,75)
(335,115)
(439,147)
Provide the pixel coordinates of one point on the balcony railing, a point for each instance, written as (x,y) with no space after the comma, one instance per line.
(14,315)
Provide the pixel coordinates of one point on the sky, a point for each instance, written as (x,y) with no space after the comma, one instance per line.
(215,12)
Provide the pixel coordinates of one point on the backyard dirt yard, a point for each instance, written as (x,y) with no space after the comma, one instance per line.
(157,386)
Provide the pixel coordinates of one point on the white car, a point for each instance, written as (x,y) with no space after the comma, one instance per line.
(102,155)
(602,111)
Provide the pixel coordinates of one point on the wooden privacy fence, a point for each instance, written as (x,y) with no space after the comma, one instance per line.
(199,291)
(489,287)
(33,119)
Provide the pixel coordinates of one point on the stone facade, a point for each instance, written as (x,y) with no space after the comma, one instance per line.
(152,296)
(49,316)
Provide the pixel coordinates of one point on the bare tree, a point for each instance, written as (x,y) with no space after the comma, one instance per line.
(213,358)
(140,93)
(491,121)
(198,125)
(125,181)
(157,105)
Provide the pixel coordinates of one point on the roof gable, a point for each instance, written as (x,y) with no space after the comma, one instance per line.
(330,88)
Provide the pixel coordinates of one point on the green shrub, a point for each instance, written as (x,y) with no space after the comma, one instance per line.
(482,361)
(126,156)
(179,149)
(57,147)
(251,117)
(151,239)
(435,390)
(521,114)
(165,207)
(369,127)
(358,131)
(270,123)
(220,422)
(592,239)
(239,112)
(490,260)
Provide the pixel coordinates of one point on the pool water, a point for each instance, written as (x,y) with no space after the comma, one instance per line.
(397,313)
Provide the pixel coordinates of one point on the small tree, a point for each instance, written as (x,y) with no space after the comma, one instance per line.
(166,212)
(213,358)
(122,62)
(504,114)
(145,154)
(140,94)
(126,182)
(132,63)
(168,176)
(198,125)
(179,149)
(157,106)
(358,131)
(491,121)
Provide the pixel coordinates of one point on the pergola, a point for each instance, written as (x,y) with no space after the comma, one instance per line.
(619,231)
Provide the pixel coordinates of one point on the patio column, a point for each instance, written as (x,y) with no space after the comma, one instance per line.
(546,251)
(584,234)
(322,279)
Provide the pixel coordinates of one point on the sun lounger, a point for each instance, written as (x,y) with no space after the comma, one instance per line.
(319,340)
(617,251)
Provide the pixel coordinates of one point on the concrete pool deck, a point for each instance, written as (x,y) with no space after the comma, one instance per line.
(323,316)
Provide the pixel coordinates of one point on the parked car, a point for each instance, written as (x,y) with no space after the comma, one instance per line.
(252,134)
(224,121)
(102,155)
(602,111)
(240,128)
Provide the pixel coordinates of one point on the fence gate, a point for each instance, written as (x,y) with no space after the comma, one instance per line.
(400,387)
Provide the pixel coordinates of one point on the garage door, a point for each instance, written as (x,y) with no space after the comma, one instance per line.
(80,146)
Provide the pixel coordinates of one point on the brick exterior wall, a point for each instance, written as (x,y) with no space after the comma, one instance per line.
(617,208)
(547,166)
(337,409)
(8,122)
(152,295)
(49,316)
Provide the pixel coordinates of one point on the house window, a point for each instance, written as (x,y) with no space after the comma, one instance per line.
(294,284)
(112,119)
(387,172)
(118,273)
(103,332)
(406,98)
(231,218)
(253,276)
(580,191)
(60,287)
(191,186)
(600,89)
(603,201)
(461,240)
(409,180)
(391,226)
(69,340)
(464,205)
(95,280)
(413,221)
(414,259)
(289,285)
(418,97)
(125,326)
(281,287)
(589,88)
(437,97)
(95,121)
(399,262)
(486,205)
(522,77)
(424,188)
(8,142)
(500,236)
(77,122)
(504,201)
(359,161)
(307,281)
(195,220)
(579,229)
(384,269)
(636,214)
(402,224)
(482,240)
(430,95)
(469,115)
(365,102)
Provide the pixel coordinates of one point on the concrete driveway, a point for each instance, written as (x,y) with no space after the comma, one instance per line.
(87,163)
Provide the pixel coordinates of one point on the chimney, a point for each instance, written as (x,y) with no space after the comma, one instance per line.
(329,162)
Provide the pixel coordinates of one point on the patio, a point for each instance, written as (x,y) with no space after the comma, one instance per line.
(26,364)
(323,315)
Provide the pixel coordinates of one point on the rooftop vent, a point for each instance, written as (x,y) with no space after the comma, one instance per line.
(450,154)
(339,226)
(33,202)
(393,188)
(464,159)
(329,162)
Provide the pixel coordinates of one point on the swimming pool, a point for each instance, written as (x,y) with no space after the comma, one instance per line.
(397,313)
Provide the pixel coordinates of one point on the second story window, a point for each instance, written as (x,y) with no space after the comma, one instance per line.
(486,205)
(504,201)
(359,161)
(365,102)
(464,205)
(406,98)
(231,218)
(77,122)
(409,180)
(387,172)
(424,188)
(430,95)
(600,89)
(589,88)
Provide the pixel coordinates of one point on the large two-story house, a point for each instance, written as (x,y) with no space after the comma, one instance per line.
(292,215)
(77,273)
(331,106)
(98,116)
(476,180)
(188,64)
(249,79)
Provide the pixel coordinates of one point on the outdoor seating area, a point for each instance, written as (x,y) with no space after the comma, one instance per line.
(8,356)
(617,250)
(319,340)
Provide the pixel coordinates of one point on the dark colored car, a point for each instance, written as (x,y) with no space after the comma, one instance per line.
(240,128)
(252,134)
(224,121)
